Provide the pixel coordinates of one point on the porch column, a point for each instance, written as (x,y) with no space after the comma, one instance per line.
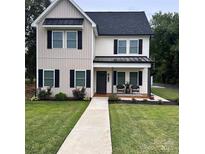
(149,83)
(112,79)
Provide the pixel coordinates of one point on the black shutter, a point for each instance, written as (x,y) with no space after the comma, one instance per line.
(88,78)
(140,46)
(40,78)
(140,78)
(115,46)
(114,77)
(72,78)
(49,39)
(57,78)
(80,41)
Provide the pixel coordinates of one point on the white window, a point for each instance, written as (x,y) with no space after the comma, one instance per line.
(71,39)
(134,46)
(134,78)
(121,78)
(48,78)
(122,44)
(57,39)
(80,78)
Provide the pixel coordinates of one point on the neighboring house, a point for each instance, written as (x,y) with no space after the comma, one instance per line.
(97,50)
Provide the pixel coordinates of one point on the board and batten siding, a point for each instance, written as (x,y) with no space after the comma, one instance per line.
(105,45)
(65,59)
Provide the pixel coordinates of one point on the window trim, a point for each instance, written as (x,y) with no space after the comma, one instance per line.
(53,77)
(53,31)
(117,77)
(125,46)
(75,77)
(66,40)
(137,76)
(137,46)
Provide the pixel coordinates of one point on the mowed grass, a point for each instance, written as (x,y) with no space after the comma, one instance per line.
(48,124)
(144,129)
(167,93)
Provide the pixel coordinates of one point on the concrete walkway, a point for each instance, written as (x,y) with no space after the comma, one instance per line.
(91,134)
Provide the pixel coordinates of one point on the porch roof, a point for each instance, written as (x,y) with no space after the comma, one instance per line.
(122,59)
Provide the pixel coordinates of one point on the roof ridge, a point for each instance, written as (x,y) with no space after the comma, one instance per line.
(114,11)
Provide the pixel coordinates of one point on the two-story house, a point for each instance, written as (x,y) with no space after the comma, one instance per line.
(96,50)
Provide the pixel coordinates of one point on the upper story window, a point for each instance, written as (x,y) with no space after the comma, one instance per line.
(71,39)
(57,39)
(48,78)
(122,46)
(134,46)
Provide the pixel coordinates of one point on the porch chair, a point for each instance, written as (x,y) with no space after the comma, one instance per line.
(121,88)
(134,89)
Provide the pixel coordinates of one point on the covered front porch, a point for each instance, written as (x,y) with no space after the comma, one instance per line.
(126,79)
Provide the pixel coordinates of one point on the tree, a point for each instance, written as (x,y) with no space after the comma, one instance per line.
(33,8)
(165,47)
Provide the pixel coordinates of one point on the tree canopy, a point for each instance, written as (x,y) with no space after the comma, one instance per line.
(165,47)
(33,8)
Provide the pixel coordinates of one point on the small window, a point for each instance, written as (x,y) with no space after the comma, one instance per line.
(80,78)
(121,78)
(57,39)
(134,46)
(122,46)
(48,78)
(133,78)
(71,39)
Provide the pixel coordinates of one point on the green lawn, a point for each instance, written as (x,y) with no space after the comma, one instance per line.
(144,129)
(48,123)
(167,93)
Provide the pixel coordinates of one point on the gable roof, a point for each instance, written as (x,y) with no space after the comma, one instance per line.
(53,4)
(121,23)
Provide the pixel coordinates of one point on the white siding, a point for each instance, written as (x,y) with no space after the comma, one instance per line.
(65,59)
(105,45)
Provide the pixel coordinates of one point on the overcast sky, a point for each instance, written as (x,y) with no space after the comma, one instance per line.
(149,6)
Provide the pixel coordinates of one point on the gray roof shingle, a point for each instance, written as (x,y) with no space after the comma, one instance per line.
(121,23)
(63,21)
(122,59)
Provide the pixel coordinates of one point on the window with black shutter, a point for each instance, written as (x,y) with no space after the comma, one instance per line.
(72,78)
(49,39)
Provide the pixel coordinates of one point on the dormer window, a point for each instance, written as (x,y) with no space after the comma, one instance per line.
(72,39)
(57,39)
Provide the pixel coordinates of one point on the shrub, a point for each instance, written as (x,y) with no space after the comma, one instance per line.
(60,97)
(87,99)
(177,101)
(160,102)
(79,94)
(134,100)
(34,98)
(113,97)
(45,94)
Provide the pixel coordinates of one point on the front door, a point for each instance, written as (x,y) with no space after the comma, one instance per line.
(101,82)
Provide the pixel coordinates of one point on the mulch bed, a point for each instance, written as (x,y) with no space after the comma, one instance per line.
(144,102)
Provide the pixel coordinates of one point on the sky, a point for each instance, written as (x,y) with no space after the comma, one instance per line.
(149,6)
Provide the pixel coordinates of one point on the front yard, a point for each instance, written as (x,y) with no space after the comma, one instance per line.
(144,129)
(167,93)
(48,123)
